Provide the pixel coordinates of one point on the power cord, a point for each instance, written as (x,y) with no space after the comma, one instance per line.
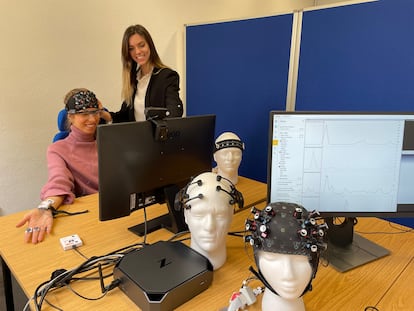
(399,230)
(239,234)
(111,286)
(76,249)
(179,234)
(58,212)
(398,227)
(62,278)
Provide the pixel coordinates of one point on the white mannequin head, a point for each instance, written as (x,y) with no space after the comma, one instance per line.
(208,212)
(287,241)
(228,155)
(288,275)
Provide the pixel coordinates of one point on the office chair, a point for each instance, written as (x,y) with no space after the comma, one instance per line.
(61,123)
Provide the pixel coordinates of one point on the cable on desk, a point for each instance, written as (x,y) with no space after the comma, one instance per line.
(58,212)
(62,278)
(76,249)
(127,249)
(178,234)
(401,230)
(53,306)
(240,234)
(393,226)
(27,305)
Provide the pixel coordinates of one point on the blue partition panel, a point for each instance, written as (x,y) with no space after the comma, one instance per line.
(358,57)
(239,71)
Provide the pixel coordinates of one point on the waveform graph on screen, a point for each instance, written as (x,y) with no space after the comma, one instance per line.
(311,194)
(349,163)
(312,159)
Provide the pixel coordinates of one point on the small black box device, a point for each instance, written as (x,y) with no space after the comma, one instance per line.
(163,275)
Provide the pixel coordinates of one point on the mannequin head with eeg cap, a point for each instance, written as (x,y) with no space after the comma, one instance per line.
(228,151)
(288,239)
(208,202)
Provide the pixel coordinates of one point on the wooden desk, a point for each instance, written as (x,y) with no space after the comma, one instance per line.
(371,284)
(33,264)
(385,283)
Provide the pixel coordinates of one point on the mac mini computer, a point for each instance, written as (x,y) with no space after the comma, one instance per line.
(163,275)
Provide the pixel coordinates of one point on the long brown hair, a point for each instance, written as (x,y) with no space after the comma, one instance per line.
(129,66)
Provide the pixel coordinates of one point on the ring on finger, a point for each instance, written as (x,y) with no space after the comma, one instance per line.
(29,230)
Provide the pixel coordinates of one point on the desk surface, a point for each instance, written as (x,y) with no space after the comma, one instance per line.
(385,283)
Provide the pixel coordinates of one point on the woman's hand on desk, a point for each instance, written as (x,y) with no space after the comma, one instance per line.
(39,222)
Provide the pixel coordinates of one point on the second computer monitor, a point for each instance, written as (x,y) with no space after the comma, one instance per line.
(140,163)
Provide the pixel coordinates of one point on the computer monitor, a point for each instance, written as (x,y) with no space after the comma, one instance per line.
(148,162)
(347,165)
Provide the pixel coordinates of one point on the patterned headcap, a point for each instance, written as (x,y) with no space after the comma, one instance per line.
(81,101)
(287,228)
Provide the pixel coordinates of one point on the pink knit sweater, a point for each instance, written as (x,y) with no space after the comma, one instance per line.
(72,167)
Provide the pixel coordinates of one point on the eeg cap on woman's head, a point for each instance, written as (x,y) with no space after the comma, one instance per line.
(80,101)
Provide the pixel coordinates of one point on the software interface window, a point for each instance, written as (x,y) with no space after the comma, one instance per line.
(342,162)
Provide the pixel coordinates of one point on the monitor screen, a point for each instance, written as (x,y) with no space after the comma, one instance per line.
(143,163)
(343,164)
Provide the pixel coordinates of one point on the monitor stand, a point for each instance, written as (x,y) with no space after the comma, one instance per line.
(173,221)
(348,250)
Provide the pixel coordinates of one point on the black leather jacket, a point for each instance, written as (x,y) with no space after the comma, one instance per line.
(162,91)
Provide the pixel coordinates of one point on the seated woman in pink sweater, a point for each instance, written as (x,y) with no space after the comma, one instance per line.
(72,163)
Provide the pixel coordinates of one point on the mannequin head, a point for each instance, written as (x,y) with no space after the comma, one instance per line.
(208,211)
(228,151)
(287,241)
(293,275)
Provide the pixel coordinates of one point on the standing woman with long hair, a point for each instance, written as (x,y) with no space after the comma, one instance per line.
(146,80)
